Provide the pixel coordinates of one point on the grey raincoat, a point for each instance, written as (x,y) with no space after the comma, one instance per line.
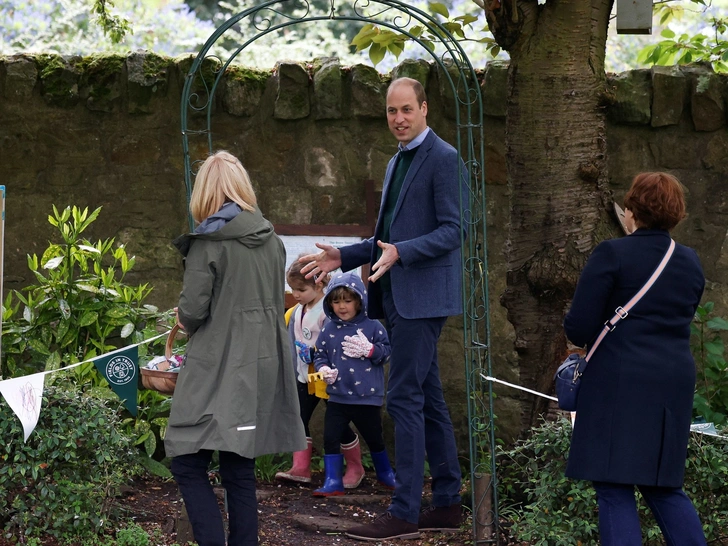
(236,391)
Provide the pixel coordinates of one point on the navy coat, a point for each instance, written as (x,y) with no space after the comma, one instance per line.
(426,230)
(635,405)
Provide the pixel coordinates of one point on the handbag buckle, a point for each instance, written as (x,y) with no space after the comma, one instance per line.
(621,313)
(577,373)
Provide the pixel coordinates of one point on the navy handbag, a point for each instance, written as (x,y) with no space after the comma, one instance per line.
(568,376)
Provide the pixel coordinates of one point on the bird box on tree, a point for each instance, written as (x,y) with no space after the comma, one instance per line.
(634,16)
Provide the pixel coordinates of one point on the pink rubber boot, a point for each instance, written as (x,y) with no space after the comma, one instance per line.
(301,470)
(354,469)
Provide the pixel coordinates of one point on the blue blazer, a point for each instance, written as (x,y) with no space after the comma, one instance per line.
(635,405)
(426,230)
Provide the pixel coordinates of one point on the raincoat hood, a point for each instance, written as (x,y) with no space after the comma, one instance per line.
(353,282)
(230,222)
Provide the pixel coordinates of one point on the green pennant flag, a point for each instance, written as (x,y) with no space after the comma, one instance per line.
(122,372)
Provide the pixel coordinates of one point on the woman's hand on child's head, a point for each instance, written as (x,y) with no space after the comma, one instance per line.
(330,374)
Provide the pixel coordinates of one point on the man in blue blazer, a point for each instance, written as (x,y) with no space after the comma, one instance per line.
(416,283)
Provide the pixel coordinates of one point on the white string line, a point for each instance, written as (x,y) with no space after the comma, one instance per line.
(106,354)
(693,427)
(489,378)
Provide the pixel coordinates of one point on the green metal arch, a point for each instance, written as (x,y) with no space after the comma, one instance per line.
(468,110)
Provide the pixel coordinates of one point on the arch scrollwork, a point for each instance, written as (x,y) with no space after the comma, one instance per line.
(462,87)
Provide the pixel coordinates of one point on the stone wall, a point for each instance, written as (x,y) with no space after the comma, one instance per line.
(106,132)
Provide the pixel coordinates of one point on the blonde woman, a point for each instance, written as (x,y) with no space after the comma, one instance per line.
(236,393)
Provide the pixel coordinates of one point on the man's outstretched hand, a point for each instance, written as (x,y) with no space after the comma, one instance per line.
(317,265)
(389,257)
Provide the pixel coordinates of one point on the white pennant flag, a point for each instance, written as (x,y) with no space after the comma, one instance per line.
(24,395)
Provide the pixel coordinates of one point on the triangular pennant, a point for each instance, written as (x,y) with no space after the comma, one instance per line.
(24,395)
(121,371)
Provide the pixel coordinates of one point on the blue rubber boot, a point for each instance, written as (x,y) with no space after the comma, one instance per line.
(385,474)
(333,483)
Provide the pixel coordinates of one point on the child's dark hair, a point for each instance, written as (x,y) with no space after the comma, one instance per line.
(340,292)
(294,275)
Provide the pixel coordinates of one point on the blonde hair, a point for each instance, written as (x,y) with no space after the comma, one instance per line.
(221,178)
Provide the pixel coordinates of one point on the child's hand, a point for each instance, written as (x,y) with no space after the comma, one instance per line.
(357,346)
(304,352)
(329,374)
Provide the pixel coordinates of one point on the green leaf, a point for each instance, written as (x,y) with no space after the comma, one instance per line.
(39,347)
(439,9)
(155,467)
(718,323)
(150,444)
(87,288)
(385,38)
(127,330)
(53,362)
(65,310)
(88,318)
(377,53)
(117,312)
(715,347)
(667,33)
(467,19)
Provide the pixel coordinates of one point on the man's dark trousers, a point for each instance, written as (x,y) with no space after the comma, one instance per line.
(421,418)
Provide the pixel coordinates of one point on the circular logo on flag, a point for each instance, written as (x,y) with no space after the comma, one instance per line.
(120,370)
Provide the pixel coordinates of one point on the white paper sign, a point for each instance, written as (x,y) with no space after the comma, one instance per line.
(24,395)
(306,244)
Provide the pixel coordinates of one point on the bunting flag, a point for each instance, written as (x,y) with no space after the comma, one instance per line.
(120,369)
(24,395)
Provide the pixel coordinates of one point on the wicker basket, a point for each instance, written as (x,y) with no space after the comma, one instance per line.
(161,381)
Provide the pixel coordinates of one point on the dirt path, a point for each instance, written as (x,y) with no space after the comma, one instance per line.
(288,515)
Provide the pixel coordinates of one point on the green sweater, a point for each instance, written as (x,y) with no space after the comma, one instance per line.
(395,187)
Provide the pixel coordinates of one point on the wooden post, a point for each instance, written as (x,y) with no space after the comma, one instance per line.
(483,508)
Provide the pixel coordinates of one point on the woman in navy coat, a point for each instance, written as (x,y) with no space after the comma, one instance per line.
(635,404)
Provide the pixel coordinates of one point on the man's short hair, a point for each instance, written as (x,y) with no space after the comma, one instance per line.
(416,86)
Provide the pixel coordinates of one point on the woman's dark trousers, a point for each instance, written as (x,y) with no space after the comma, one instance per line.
(238,479)
(619,524)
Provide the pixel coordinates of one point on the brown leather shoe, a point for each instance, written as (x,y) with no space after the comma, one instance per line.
(443,519)
(385,527)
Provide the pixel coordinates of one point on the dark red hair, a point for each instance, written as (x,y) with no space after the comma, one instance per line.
(656,200)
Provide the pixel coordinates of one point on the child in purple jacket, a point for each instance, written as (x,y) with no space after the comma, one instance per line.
(350,354)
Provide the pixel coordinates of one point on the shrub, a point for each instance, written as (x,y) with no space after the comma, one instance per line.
(133,535)
(63,480)
(78,305)
(79,308)
(711,390)
(551,510)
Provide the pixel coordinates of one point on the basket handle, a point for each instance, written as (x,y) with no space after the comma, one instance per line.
(170,340)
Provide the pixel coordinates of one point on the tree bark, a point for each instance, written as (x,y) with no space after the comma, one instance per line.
(557,170)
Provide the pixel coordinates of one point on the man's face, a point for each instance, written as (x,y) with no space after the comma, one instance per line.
(406,118)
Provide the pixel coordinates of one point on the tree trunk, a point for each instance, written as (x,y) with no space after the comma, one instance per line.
(557,170)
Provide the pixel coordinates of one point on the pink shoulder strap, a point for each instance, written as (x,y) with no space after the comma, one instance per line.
(620,313)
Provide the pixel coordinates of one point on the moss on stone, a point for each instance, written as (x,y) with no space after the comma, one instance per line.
(48,64)
(59,79)
(155,66)
(248,75)
(100,73)
(101,65)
